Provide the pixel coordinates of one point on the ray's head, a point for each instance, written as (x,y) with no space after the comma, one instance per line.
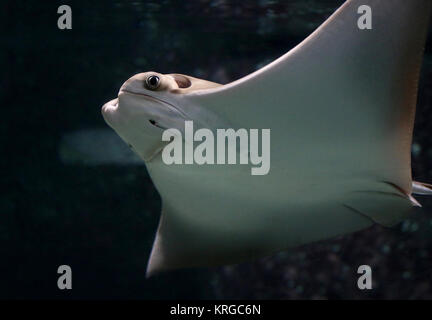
(149,103)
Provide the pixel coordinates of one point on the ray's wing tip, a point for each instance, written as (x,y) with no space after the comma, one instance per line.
(149,274)
(154,265)
(152,269)
(422,189)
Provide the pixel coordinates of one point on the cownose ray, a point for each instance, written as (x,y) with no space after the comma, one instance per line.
(340,107)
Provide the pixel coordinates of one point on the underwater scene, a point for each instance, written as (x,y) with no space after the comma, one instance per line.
(74,194)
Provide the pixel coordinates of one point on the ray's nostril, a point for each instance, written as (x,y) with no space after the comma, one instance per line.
(154,123)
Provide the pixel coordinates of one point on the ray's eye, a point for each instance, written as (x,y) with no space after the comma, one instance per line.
(152,82)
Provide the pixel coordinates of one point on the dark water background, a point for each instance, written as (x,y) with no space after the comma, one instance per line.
(101,220)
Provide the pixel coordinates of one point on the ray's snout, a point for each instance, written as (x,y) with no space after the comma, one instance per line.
(108,108)
(127,84)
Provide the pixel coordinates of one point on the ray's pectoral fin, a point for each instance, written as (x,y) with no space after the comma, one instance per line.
(387,207)
(173,243)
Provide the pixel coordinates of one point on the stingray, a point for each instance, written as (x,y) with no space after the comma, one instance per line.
(340,107)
